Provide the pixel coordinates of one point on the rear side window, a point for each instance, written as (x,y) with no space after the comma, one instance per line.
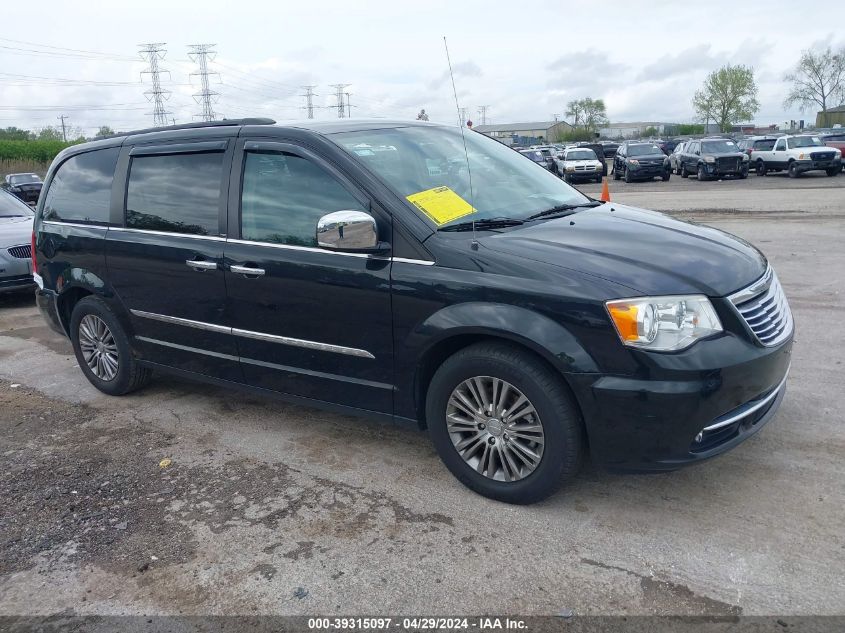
(764,144)
(81,188)
(284,195)
(176,193)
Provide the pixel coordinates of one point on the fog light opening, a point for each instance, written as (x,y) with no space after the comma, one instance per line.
(699,437)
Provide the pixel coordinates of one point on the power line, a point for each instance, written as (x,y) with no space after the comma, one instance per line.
(201,54)
(71,50)
(309,100)
(153,52)
(339,89)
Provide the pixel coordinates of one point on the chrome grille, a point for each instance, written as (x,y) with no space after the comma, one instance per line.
(765,310)
(21,252)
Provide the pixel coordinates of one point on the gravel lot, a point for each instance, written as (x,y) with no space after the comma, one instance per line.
(271,508)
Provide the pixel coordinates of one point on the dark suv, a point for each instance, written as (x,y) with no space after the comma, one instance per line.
(352,265)
(712,158)
(640,161)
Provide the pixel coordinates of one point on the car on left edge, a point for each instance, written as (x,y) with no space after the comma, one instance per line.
(27,187)
(15,244)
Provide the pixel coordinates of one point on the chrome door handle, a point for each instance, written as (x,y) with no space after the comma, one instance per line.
(201,265)
(246,270)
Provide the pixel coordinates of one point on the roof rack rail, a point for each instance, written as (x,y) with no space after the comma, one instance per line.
(189,126)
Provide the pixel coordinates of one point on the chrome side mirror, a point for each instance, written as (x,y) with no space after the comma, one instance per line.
(347,231)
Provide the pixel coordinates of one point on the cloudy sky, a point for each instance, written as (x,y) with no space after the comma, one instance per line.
(524,59)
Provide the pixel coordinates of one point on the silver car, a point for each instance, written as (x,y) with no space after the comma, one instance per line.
(15,244)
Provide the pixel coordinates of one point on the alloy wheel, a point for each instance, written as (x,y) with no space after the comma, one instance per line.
(495,428)
(98,347)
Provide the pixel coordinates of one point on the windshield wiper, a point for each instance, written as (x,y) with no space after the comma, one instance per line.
(484,223)
(562,210)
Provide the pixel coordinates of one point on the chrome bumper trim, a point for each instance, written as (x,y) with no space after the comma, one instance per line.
(755,407)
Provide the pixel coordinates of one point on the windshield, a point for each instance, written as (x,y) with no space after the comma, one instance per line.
(718,147)
(535,156)
(23,178)
(11,207)
(804,141)
(643,150)
(581,154)
(503,184)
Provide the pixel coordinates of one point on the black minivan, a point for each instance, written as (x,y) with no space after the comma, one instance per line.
(417,272)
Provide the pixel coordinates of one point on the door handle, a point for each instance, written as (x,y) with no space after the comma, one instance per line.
(246,270)
(200,266)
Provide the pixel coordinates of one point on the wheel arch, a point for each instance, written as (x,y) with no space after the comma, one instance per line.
(459,326)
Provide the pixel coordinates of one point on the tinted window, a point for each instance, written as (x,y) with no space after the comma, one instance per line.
(718,147)
(178,193)
(284,195)
(581,154)
(11,207)
(81,188)
(19,179)
(766,144)
(781,145)
(643,150)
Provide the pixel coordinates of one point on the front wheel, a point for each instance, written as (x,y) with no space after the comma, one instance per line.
(666,176)
(503,423)
(102,349)
(627,176)
(702,175)
(792,170)
(761,168)
(833,171)
(683,171)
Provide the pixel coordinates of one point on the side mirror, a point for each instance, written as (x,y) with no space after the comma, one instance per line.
(350,231)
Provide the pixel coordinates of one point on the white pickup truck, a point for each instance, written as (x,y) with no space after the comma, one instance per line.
(797,154)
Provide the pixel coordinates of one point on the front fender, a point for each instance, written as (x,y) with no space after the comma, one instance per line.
(536,331)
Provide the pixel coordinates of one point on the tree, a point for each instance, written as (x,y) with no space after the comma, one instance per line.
(104,130)
(818,78)
(651,131)
(728,96)
(50,133)
(15,134)
(588,113)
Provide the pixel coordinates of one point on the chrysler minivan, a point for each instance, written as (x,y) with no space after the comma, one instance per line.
(419,273)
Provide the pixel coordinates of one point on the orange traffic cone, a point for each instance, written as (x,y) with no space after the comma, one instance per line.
(605,192)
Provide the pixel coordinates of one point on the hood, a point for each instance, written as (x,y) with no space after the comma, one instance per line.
(581,161)
(646,251)
(656,156)
(15,231)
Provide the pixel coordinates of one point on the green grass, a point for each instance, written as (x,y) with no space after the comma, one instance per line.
(35,151)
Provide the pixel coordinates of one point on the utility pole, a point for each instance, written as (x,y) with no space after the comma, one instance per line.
(556,117)
(152,53)
(339,97)
(202,54)
(309,100)
(348,106)
(462,116)
(482,110)
(64,130)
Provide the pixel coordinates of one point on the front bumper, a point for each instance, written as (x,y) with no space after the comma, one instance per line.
(684,407)
(812,165)
(714,169)
(648,171)
(15,272)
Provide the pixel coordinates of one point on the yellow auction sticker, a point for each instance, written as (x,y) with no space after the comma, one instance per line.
(441,204)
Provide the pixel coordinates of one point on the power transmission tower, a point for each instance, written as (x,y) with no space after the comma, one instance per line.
(152,53)
(202,54)
(339,96)
(64,130)
(309,100)
(482,110)
(462,116)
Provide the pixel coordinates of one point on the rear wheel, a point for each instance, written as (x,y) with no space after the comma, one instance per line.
(503,423)
(102,349)
(666,176)
(792,170)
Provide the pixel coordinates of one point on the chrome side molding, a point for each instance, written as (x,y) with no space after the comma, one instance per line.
(259,336)
(755,407)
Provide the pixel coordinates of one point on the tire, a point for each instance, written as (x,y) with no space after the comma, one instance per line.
(627,176)
(616,175)
(833,171)
(666,176)
(761,168)
(702,175)
(683,170)
(558,418)
(743,175)
(599,179)
(89,315)
(792,170)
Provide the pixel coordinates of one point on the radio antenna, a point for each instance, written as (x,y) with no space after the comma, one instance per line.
(463,139)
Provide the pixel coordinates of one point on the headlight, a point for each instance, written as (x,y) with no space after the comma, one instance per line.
(745,157)
(663,323)
(570,168)
(709,159)
(801,156)
(633,161)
